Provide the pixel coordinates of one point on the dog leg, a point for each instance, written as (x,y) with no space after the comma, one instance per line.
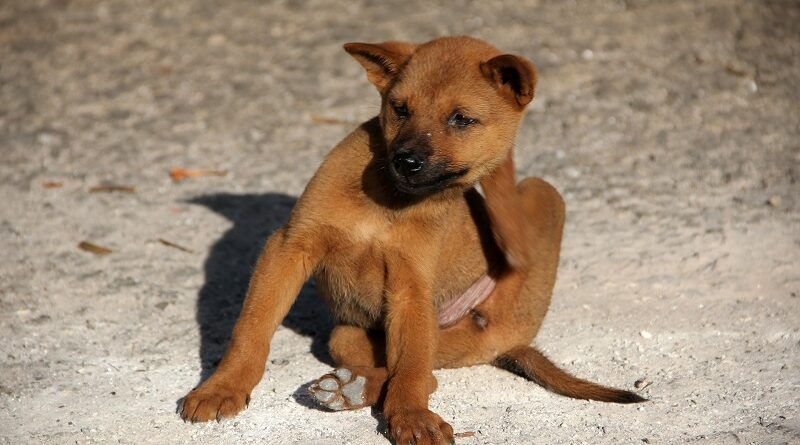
(543,209)
(283,267)
(514,312)
(359,379)
(352,387)
(507,219)
(354,346)
(411,331)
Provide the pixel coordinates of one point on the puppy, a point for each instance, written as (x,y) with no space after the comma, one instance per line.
(420,271)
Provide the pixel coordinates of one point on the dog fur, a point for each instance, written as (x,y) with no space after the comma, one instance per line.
(392,228)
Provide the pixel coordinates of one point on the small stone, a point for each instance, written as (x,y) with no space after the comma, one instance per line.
(775,201)
(587,54)
(216,40)
(48,139)
(41,319)
(646,335)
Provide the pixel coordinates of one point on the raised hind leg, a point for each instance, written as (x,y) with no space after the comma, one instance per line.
(512,315)
(543,207)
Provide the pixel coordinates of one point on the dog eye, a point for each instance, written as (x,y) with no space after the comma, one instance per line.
(458,120)
(400,110)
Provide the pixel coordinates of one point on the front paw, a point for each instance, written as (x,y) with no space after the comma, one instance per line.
(213,402)
(420,427)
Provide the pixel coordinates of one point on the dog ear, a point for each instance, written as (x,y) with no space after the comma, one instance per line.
(381,60)
(513,76)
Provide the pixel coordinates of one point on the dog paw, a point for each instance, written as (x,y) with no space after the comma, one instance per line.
(212,403)
(341,389)
(420,427)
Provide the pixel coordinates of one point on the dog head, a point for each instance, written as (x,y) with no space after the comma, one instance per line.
(450,108)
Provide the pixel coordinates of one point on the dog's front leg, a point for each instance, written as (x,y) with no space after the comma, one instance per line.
(285,264)
(410,346)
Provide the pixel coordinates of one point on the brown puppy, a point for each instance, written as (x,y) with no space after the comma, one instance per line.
(419,270)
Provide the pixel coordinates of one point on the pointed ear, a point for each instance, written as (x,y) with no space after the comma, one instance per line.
(513,76)
(381,60)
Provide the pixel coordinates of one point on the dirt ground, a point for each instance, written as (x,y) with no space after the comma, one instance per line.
(671,128)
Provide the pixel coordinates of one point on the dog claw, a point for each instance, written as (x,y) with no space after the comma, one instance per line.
(212,403)
(421,427)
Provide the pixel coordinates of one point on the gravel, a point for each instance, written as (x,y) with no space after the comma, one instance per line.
(671,128)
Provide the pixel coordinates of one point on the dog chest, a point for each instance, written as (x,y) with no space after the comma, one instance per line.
(351,278)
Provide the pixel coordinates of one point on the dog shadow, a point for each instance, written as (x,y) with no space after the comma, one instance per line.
(228,268)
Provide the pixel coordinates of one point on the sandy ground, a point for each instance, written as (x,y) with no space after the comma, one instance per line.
(671,128)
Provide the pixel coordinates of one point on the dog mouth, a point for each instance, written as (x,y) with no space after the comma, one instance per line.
(427,185)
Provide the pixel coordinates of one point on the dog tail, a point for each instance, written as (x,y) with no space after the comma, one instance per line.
(527,362)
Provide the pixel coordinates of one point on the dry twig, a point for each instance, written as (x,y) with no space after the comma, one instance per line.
(93,248)
(179,174)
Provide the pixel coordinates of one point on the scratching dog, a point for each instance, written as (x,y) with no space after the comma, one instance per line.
(419,269)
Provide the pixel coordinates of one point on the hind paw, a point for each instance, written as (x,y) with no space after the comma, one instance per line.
(341,389)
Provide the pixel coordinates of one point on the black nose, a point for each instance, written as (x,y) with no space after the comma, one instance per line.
(407,162)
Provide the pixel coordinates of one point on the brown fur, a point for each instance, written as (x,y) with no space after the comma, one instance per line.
(387,251)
